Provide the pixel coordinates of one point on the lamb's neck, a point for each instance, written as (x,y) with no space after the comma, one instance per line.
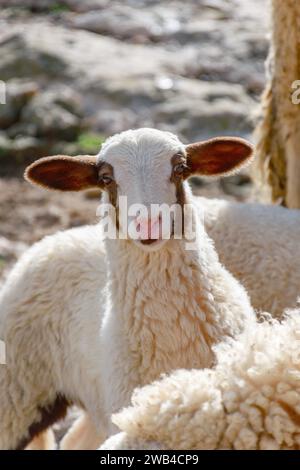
(166,270)
(165,303)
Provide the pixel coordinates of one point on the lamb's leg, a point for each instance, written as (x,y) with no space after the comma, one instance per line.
(43,441)
(82,435)
(27,408)
(122,441)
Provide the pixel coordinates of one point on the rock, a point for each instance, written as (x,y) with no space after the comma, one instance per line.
(20,60)
(25,149)
(21,150)
(18,93)
(5,146)
(198,31)
(108,121)
(65,97)
(21,129)
(84,57)
(198,109)
(111,83)
(36,4)
(50,114)
(54,5)
(123,22)
(10,250)
(192,107)
(87,5)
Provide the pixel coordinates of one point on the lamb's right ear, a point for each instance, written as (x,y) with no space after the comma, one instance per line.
(220,156)
(64,173)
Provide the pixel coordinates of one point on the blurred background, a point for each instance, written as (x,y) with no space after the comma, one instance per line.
(78,71)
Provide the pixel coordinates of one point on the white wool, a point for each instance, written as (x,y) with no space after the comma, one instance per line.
(259,245)
(51,309)
(250,400)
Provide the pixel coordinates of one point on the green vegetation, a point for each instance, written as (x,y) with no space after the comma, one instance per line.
(90,142)
(58,8)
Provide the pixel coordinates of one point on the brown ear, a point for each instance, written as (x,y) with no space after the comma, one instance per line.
(220,156)
(64,173)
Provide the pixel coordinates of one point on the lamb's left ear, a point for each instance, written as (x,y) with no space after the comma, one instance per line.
(64,173)
(219,156)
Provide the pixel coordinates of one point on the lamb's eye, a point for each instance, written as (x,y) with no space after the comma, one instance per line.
(180,169)
(105,179)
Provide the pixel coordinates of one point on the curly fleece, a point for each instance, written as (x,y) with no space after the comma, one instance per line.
(250,400)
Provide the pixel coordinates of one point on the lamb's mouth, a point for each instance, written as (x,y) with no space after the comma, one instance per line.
(153,243)
(150,241)
(150,245)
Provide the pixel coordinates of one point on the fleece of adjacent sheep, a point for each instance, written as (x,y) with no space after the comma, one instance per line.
(250,400)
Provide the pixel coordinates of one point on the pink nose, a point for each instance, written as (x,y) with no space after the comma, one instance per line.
(148,228)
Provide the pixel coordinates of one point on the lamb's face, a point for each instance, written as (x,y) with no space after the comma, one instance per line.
(144,169)
(142,166)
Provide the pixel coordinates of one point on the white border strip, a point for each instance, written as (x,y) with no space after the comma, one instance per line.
(2,92)
(2,353)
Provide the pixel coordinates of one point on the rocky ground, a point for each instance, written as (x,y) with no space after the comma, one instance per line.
(77,71)
(73,68)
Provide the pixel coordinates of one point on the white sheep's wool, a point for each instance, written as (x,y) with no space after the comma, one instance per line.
(249,401)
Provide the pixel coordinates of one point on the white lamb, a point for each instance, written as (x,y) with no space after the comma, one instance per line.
(250,400)
(167,306)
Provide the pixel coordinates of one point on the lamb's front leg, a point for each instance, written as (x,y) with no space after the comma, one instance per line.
(83,435)
(120,367)
(44,441)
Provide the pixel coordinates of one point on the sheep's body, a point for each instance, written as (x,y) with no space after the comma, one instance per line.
(250,400)
(50,315)
(259,245)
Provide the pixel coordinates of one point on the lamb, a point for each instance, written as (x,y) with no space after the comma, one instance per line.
(250,400)
(164,314)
